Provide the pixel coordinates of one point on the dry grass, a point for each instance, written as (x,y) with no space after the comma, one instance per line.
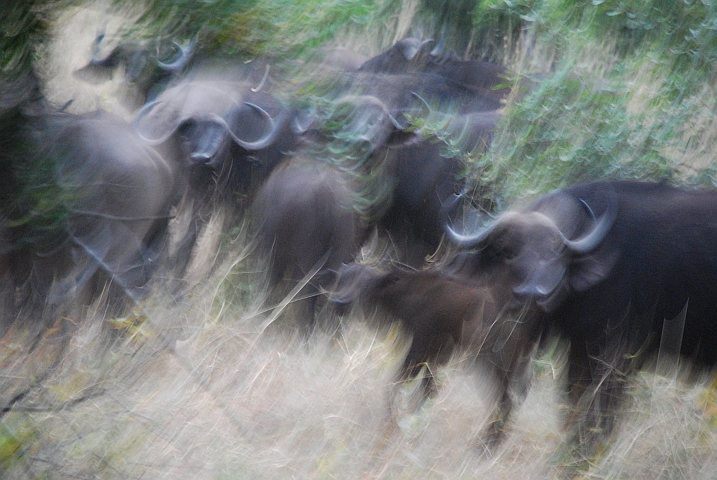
(206,387)
(202,388)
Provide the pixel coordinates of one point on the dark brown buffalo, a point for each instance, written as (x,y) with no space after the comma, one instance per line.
(87,203)
(412,55)
(118,193)
(441,313)
(307,226)
(624,270)
(407,55)
(427,185)
(411,92)
(412,180)
(146,71)
(225,135)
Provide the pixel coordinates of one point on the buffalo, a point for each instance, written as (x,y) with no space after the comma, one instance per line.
(412,55)
(225,138)
(440,313)
(307,226)
(407,55)
(412,179)
(146,72)
(88,203)
(428,185)
(624,270)
(411,92)
(417,173)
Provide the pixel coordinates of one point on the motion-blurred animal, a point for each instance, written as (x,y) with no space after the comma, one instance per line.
(89,202)
(307,227)
(411,180)
(226,139)
(145,73)
(440,313)
(412,55)
(428,184)
(407,55)
(623,269)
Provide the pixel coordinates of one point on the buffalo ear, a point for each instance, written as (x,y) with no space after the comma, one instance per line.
(589,270)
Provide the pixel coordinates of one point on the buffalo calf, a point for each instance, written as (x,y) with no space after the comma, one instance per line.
(440,314)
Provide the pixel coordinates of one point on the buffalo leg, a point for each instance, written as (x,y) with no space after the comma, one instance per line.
(596,388)
(579,378)
(494,433)
(424,348)
(305,309)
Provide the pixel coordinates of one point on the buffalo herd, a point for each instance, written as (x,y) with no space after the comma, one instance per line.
(622,270)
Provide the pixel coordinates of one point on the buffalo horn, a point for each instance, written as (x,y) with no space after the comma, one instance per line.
(422,101)
(263,142)
(412,46)
(181,61)
(370,99)
(593,238)
(263,79)
(153,141)
(468,241)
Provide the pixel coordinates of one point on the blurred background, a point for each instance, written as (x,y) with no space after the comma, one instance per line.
(204,375)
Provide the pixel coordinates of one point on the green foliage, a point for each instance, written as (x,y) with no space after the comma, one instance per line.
(618,88)
(207,21)
(626,83)
(16,435)
(287,30)
(572,129)
(279,29)
(20,27)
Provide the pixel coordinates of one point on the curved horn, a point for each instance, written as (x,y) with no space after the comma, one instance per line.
(422,101)
(593,238)
(152,141)
(373,101)
(438,49)
(469,241)
(299,127)
(409,47)
(425,42)
(263,142)
(263,80)
(181,61)
(449,207)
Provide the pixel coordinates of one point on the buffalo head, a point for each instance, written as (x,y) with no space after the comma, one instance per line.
(147,68)
(542,253)
(209,117)
(409,54)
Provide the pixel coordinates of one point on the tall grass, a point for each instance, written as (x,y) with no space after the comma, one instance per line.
(210,385)
(202,387)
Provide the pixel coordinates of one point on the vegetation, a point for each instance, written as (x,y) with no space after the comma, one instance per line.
(618,89)
(213,386)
